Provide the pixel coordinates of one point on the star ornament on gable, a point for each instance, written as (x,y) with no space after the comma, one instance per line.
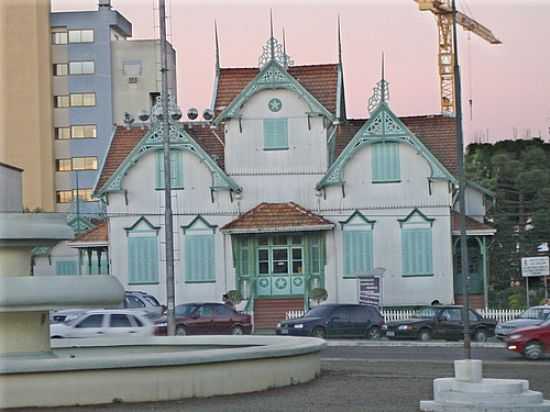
(275,105)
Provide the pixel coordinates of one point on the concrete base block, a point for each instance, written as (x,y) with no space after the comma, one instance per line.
(469,392)
(468,370)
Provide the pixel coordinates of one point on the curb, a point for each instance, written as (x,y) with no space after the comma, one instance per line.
(409,344)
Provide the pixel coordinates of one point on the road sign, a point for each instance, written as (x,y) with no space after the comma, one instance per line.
(535,266)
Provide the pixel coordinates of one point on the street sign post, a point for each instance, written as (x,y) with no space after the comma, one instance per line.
(535,267)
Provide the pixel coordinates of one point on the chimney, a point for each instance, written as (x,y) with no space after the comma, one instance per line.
(104,5)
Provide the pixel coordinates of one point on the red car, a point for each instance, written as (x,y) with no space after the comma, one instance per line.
(532,341)
(207,319)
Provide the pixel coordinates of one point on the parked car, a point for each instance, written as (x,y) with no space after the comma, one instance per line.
(144,302)
(443,322)
(531,317)
(65,315)
(141,301)
(207,319)
(335,320)
(104,322)
(532,341)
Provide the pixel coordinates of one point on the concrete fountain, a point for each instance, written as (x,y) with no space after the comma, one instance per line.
(94,371)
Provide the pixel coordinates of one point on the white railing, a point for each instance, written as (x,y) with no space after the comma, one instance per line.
(500,315)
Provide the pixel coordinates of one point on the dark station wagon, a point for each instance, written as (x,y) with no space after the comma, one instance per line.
(335,320)
(440,322)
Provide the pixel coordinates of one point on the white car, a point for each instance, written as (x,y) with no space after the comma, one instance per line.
(104,322)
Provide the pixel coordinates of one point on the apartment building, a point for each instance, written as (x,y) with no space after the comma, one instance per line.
(98,76)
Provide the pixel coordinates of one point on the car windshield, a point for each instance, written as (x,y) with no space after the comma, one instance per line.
(532,313)
(185,310)
(318,311)
(425,313)
(151,300)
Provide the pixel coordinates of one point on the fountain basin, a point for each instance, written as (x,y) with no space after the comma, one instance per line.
(95,371)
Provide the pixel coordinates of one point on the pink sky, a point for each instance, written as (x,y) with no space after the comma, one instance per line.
(509,83)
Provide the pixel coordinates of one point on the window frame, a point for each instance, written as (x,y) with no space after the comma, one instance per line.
(56,71)
(379,153)
(274,121)
(80,31)
(60,32)
(82,65)
(84,159)
(62,98)
(82,96)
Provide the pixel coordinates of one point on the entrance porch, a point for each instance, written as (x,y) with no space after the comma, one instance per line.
(279,257)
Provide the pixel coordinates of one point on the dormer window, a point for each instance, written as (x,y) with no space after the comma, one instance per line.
(276,134)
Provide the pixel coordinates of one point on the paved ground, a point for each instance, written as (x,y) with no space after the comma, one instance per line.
(358,378)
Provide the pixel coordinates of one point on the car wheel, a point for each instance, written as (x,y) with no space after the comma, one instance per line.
(480,335)
(374,333)
(533,351)
(237,330)
(180,331)
(319,332)
(425,335)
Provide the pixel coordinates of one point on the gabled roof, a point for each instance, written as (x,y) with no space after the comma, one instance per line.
(437,132)
(321,81)
(100,233)
(125,140)
(473,227)
(277,217)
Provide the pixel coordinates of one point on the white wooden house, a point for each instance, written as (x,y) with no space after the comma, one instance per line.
(281,193)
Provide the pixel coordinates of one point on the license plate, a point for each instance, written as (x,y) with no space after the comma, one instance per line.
(284,331)
(390,333)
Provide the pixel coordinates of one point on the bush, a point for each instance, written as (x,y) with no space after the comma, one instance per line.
(318,295)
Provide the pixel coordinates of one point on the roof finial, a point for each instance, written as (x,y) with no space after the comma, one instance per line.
(339,43)
(271,38)
(383,80)
(285,57)
(217,45)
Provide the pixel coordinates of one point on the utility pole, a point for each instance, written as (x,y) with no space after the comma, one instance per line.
(461,194)
(168,223)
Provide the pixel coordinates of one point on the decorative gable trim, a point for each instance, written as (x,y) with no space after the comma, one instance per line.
(197,220)
(360,215)
(143,220)
(179,140)
(383,126)
(272,76)
(409,219)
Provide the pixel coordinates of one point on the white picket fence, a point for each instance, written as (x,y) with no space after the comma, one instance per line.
(500,315)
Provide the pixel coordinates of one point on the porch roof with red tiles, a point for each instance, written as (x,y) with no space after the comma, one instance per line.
(124,140)
(100,233)
(472,225)
(437,132)
(277,217)
(321,80)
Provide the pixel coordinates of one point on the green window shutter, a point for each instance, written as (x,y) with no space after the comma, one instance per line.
(357,252)
(385,162)
(176,169)
(416,247)
(65,268)
(143,261)
(275,134)
(199,258)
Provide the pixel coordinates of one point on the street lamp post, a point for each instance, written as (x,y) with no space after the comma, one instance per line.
(461,194)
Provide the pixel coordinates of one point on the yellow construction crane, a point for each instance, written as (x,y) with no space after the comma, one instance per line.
(443,11)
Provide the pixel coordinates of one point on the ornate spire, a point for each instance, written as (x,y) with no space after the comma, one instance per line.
(273,50)
(217,45)
(271,37)
(339,43)
(381,93)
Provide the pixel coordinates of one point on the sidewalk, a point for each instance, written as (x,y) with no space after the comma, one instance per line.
(409,343)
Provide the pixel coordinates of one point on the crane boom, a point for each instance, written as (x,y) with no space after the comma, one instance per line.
(444,14)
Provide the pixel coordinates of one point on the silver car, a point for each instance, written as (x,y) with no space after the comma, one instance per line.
(535,315)
(104,323)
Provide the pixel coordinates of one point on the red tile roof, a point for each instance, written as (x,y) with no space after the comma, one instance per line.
(471,224)
(320,80)
(100,233)
(437,132)
(126,139)
(268,217)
